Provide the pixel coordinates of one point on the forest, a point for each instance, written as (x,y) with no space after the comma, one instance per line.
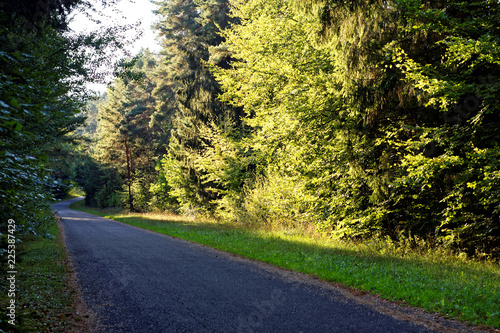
(358,119)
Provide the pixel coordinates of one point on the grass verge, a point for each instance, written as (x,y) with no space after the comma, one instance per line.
(436,280)
(44,299)
(74,192)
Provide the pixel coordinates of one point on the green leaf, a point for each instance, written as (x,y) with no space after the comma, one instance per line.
(14,102)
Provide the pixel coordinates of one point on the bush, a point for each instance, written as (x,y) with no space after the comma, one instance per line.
(278,200)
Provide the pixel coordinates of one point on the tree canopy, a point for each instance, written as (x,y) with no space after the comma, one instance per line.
(385,112)
(44,76)
(360,119)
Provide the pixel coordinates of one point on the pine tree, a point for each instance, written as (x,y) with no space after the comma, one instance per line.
(127,138)
(189,30)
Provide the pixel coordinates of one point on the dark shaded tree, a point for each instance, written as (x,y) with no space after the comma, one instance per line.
(189,32)
(129,136)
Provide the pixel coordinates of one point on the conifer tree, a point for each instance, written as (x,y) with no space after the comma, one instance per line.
(127,138)
(189,31)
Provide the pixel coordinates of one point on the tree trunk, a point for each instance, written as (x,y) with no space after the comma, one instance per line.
(129,175)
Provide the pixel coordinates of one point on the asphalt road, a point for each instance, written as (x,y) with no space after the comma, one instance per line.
(140,281)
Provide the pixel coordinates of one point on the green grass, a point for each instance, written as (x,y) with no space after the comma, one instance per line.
(44,299)
(434,280)
(75,192)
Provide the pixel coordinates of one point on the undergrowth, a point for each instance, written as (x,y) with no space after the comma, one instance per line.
(43,298)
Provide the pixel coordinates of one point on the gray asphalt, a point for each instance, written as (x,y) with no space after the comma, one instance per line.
(140,281)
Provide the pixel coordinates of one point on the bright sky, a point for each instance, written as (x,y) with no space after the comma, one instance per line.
(124,12)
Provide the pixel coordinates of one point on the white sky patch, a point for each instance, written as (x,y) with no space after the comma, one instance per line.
(125,12)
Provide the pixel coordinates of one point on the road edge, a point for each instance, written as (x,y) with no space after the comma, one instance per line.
(84,320)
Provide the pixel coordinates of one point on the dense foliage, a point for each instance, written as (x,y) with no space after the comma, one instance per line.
(42,75)
(44,71)
(385,125)
(360,119)
(36,112)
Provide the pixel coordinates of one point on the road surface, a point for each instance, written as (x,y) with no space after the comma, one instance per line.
(139,281)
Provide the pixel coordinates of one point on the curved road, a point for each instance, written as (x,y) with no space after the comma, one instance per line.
(139,281)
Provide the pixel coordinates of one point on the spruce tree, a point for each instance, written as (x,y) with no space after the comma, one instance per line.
(127,139)
(189,31)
